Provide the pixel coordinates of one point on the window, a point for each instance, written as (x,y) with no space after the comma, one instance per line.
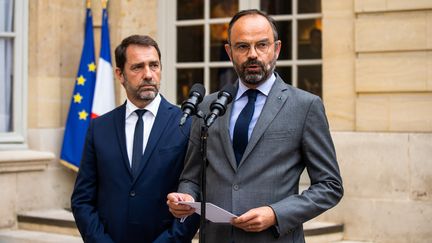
(195,32)
(201,28)
(299,26)
(13,71)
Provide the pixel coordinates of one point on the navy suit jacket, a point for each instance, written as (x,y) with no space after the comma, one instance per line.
(108,204)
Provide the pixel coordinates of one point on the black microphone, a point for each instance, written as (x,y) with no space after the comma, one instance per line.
(218,107)
(190,105)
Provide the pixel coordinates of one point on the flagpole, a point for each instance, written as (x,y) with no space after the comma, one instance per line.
(104,3)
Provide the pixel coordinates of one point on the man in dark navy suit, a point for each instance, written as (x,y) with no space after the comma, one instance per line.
(133,157)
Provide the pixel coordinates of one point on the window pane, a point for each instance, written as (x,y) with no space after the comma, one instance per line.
(190,44)
(285,74)
(6,68)
(6,16)
(218,37)
(223,8)
(276,6)
(185,79)
(190,9)
(309,6)
(221,76)
(310,79)
(309,39)
(284,30)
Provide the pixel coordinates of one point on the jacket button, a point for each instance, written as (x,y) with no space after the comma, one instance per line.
(132,194)
(236,187)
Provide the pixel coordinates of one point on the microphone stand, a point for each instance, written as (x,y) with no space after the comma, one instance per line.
(203,149)
(204,162)
(204,135)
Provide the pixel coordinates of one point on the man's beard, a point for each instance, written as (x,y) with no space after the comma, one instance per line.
(255,77)
(139,93)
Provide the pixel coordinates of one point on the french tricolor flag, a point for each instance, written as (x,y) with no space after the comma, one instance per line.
(104,98)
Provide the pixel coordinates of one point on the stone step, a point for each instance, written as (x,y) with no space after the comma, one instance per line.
(351,241)
(322,232)
(61,221)
(58,221)
(26,236)
(317,232)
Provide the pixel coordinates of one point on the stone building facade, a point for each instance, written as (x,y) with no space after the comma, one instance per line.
(377,90)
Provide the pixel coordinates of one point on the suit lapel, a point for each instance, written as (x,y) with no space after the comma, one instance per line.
(223,127)
(161,121)
(275,101)
(119,120)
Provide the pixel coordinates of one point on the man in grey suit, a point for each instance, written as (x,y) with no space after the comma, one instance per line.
(254,172)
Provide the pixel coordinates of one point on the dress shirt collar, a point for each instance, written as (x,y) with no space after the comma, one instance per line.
(264,88)
(152,108)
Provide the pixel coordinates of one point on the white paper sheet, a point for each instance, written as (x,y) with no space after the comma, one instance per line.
(213,212)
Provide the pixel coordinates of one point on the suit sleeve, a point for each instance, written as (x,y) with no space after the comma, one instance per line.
(180,232)
(84,196)
(190,177)
(319,156)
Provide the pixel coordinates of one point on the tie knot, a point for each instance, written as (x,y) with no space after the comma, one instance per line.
(140,113)
(252,94)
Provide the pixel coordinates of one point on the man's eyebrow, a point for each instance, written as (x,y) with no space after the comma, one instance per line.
(137,64)
(246,42)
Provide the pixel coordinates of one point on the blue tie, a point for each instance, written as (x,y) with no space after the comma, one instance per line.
(241,128)
(137,149)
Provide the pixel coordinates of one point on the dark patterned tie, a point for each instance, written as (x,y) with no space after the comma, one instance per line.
(241,128)
(137,149)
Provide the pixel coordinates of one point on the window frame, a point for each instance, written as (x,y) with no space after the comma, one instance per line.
(167,36)
(17,137)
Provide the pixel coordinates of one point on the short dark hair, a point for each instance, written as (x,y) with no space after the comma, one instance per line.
(141,40)
(242,13)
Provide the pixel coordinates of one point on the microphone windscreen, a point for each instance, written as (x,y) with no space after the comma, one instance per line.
(198,88)
(228,88)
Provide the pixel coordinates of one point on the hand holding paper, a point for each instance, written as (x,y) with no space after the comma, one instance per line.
(213,212)
(177,209)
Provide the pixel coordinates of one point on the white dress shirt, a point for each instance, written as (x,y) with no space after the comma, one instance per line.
(132,118)
(241,101)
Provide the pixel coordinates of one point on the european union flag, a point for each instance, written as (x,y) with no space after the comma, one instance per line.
(81,104)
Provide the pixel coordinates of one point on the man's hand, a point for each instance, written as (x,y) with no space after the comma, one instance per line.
(180,210)
(256,219)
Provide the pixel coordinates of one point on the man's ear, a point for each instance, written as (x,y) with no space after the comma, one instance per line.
(278,44)
(119,75)
(228,50)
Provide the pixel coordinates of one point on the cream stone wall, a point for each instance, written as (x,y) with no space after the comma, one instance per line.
(338,63)
(393,68)
(388,187)
(377,62)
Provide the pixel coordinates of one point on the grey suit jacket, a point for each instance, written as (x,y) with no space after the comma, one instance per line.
(291,134)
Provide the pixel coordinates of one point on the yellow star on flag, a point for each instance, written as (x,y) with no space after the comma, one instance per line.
(77,98)
(92,67)
(83,115)
(81,80)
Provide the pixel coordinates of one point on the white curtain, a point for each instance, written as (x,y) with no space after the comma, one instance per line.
(6,52)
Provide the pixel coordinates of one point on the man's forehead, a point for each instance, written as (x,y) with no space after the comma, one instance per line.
(135,47)
(140,51)
(251,19)
(251,27)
